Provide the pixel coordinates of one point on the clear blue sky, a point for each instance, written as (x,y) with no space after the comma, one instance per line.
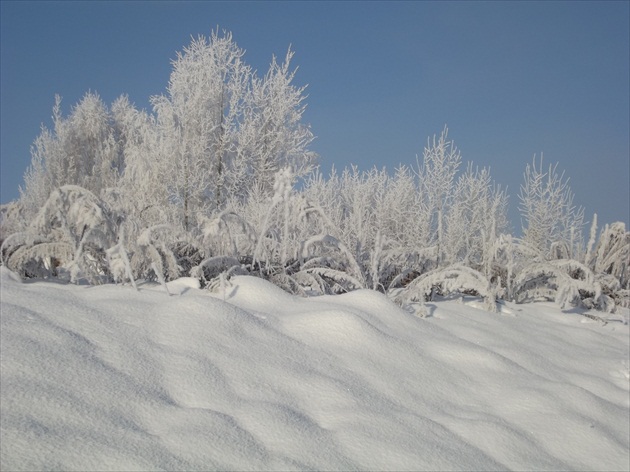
(509,79)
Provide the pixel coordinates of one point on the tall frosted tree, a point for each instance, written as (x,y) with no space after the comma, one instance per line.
(198,119)
(226,129)
(272,135)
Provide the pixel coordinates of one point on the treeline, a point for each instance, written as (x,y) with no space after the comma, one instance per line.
(205,186)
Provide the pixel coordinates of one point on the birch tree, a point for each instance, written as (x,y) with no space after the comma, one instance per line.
(198,119)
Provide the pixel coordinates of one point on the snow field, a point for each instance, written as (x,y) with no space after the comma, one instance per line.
(252,378)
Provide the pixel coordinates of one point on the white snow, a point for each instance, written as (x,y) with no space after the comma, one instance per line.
(109,378)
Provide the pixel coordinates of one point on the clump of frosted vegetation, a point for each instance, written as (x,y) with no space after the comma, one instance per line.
(218,179)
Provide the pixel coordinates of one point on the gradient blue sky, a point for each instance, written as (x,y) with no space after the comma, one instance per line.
(509,79)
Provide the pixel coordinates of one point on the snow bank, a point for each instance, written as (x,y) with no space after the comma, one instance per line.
(251,378)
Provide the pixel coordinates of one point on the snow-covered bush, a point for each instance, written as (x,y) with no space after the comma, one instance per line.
(12,219)
(228,234)
(154,257)
(610,262)
(213,272)
(118,260)
(565,281)
(331,263)
(31,256)
(456,279)
(612,254)
(72,230)
(379,220)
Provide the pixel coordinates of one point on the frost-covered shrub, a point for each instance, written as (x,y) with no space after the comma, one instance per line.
(12,219)
(214,271)
(612,254)
(228,234)
(565,281)
(474,222)
(327,257)
(72,230)
(187,255)
(118,260)
(31,256)
(378,221)
(457,279)
(153,258)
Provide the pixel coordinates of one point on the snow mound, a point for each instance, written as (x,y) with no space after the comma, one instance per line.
(109,378)
(7,276)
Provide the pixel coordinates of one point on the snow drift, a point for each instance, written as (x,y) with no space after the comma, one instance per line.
(251,378)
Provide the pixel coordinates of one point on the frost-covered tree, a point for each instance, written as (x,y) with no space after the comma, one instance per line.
(47,168)
(38,180)
(198,120)
(476,218)
(441,160)
(141,193)
(550,219)
(93,155)
(403,214)
(80,150)
(226,129)
(217,133)
(272,135)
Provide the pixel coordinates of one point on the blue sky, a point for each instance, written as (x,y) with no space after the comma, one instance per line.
(510,79)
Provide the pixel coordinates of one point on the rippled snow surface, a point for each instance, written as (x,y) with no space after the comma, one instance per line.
(107,378)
